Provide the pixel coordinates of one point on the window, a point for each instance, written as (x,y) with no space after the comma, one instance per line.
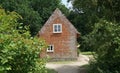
(50,48)
(57,28)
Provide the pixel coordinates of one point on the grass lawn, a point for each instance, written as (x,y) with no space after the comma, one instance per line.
(51,71)
(62,62)
(87,53)
(48,71)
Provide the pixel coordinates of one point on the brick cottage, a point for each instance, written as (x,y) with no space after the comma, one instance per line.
(61,36)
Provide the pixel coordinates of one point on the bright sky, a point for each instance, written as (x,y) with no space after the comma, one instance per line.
(67,4)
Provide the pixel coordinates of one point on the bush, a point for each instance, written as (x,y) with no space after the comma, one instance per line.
(106,43)
(19,52)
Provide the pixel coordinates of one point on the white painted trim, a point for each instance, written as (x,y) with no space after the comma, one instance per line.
(57,29)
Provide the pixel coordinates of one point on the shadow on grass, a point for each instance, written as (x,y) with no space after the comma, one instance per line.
(84,69)
(48,71)
(51,71)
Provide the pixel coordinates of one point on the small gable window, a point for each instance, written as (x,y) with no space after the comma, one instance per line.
(50,48)
(57,28)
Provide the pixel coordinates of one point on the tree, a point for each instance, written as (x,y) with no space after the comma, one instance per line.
(102,18)
(19,52)
(108,9)
(34,12)
(84,17)
(88,12)
(105,39)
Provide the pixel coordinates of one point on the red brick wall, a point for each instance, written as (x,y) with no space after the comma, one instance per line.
(64,43)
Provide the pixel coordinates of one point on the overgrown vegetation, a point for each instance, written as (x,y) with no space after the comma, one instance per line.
(19,53)
(51,71)
(86,13)
(87,53)
(34,12)
(99,22)
(106,43)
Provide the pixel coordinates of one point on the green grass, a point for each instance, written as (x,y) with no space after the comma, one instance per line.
(51,71)
(87,53)
(48,71)
(85,66)
(62,62)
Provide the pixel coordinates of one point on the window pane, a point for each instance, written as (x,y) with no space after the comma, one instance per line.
(55,28)
(51,48)
(48,47)
(59,28)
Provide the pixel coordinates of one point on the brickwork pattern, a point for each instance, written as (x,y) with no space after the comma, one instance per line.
(65,43)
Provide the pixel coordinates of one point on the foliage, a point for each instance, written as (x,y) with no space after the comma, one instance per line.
(34,12)
(93,10)
(88,12)
(87,53)
(83,17)
(109,9)
(106,43)
(51,71)
(30,16)
(19,53)
(48,71)
(100,27)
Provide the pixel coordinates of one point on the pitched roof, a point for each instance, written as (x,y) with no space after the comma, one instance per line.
(58,13)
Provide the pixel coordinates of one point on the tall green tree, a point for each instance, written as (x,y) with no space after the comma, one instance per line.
(83,17)
(30,17)
(108,9)
(104,37)
(88,12)
(34,12)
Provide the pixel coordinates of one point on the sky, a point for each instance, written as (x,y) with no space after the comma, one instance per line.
(68,5)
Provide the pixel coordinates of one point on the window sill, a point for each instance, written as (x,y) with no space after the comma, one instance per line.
(57,32)
(50,51)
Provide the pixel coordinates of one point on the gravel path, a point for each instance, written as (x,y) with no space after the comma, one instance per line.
(70,67)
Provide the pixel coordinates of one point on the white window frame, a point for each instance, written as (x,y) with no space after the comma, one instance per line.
(49,50)
(57,28)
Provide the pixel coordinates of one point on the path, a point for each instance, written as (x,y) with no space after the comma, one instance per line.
(70,67)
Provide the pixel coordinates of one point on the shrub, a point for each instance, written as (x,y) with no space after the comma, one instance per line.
(106,43)
(19,52)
